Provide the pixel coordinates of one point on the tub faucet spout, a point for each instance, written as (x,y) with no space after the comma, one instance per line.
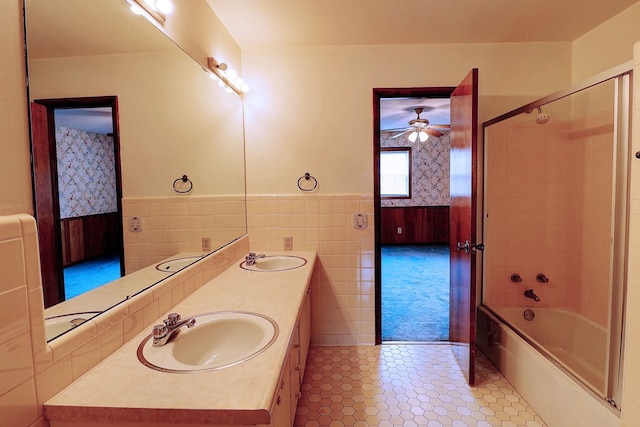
(530,294)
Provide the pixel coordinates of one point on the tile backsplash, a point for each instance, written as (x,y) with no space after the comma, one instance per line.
(342,299)
(32,371)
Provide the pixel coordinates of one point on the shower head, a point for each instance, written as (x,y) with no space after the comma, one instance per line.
(542,117)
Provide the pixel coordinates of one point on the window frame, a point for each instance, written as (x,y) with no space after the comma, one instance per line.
(409,172)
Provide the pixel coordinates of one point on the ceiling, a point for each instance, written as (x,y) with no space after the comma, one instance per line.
(261,23)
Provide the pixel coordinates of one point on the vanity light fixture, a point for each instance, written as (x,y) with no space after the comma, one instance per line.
(227,77)
(156,9)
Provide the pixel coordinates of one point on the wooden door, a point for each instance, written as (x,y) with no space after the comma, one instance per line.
(47,210)
(462,308)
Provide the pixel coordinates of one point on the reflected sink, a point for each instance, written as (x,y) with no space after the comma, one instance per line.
(177,264)
(275,263)
(57,325)
(218,340)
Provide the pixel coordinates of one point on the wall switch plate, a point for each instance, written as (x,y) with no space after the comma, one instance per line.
(206,244)
(135,224)
(360,221)
(288,243)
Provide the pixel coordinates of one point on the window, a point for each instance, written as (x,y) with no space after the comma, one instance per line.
(395,173)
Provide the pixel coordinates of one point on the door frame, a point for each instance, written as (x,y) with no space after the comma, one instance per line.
(45,187)
(378,94)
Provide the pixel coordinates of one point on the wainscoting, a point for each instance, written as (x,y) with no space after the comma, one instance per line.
(90,236)
(419,224)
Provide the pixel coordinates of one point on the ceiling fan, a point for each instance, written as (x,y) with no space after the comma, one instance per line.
(420,128)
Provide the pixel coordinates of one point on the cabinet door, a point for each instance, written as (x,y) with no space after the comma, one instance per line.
(294,371)
(281,406)
(305,332)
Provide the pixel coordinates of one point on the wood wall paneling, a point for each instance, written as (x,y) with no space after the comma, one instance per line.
(88,237)
(420,225)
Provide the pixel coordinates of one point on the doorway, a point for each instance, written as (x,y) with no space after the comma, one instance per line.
(77,192)
(412,214)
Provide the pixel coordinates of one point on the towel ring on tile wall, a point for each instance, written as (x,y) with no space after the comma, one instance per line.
(186,181)
(307,177)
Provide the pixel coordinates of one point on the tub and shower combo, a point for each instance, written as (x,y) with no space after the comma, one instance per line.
(554,227)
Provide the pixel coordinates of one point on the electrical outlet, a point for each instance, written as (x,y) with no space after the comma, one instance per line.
(399,230)
(206,244)
(288,243)
(135,224)
(360,221)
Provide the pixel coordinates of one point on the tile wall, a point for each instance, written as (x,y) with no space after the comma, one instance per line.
(177,224)
(549,211)
(342,296)
(32,371)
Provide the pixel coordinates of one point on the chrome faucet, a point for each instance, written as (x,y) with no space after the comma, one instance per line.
(163,333)
(252,257)
(530,294)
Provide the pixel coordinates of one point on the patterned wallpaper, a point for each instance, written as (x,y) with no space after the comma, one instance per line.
(430,170)
(86,173)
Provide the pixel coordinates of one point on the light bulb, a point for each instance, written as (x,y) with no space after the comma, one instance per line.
(136,9)
(164,6)
(423,136)
(230,74)
(413,136)
(244,88)
(237,82)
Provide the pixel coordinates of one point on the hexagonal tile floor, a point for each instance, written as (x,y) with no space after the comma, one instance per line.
(405,385)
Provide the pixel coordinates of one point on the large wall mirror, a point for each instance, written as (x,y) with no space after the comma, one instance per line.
(91,61)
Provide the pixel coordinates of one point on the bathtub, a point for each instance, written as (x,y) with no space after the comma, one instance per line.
(576,342)
(564,389)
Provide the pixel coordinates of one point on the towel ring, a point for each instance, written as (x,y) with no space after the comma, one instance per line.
(185,180)
(307,176)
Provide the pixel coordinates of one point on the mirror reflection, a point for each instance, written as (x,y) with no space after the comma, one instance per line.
(131,114)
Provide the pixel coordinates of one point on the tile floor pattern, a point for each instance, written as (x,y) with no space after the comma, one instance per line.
(405,385)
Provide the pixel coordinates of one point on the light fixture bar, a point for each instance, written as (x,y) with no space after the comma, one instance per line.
(160,17)
(219,68)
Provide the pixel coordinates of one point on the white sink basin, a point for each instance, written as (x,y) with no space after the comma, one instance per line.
(275,263)
(177,264)
(218,340)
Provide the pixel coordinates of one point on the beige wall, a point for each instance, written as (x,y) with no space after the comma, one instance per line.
(607,45)
(631,376)
(15,170)
(310,109)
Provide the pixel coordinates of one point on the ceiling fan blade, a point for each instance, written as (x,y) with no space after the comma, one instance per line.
(441,126)
(401,133)
(433,132)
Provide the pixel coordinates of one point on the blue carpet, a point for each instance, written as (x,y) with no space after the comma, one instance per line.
(84,276)
(415,293)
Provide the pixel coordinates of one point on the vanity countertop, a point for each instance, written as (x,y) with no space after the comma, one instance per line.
(122,389)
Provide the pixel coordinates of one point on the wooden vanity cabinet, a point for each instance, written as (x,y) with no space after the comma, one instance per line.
(292,375)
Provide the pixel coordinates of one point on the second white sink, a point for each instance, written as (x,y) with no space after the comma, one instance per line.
(218,340)
(275,263)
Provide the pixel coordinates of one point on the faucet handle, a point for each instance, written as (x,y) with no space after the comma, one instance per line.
(159,331)
(172,319)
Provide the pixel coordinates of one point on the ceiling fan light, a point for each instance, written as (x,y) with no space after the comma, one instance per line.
(413,136)
(423,136)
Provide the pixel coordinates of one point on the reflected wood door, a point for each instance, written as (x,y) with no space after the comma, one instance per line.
(462,307)
(47,210)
